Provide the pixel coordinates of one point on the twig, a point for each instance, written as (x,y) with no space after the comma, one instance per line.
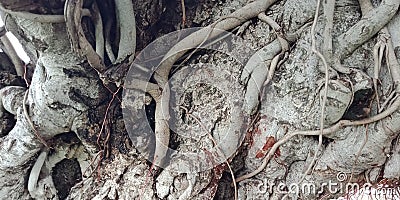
(255,67)
(275,63)
(106,142)
(103,124)
(378,51)
(393,63)
(378,48)
(242,28)
(183,13)
(323,104)
(28,118)
(91,164)
(25,77)
(275,26)
(388,100)
(98,169)
(278,59)
(292,37)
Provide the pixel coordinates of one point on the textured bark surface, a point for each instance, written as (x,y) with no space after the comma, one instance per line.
(213,93)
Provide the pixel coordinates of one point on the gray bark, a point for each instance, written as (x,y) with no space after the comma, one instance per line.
(67,96)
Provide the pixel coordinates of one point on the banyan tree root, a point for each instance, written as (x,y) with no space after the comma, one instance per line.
(50,106)
(192,41)
(369,19)
(73,18)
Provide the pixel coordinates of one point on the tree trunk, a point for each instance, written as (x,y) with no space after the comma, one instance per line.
(276,98)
